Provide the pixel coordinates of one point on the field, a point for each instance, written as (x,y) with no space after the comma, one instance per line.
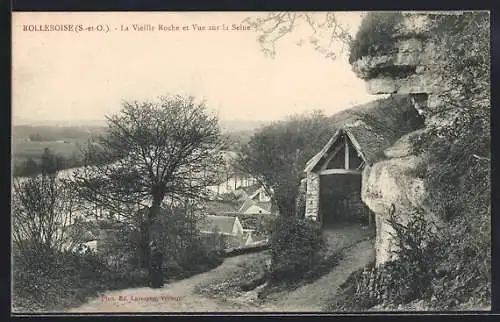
(22,149)
(29,141)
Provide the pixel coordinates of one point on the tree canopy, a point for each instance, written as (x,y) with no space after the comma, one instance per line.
(151,152)
(276,155)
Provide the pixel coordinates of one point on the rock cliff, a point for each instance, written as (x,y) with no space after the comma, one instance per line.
(405,69)
(392,182)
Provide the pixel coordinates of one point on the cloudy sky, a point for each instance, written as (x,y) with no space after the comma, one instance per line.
(84,76)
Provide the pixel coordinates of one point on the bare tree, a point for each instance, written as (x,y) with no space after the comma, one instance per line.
(324,30)
(41,206)
(152,152)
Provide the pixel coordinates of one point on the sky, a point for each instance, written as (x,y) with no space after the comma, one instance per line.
(86,75)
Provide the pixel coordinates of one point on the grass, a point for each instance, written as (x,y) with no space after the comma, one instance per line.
(245,276)
(325,265)
(22,150)
(253,272)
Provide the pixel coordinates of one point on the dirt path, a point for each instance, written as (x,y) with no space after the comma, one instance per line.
(181,296)
(176,297)
(313,297)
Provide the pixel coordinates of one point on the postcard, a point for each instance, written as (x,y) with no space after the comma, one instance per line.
(280,162)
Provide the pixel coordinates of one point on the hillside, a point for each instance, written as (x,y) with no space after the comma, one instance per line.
(431,191)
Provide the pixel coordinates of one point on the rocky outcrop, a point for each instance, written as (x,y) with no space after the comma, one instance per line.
(407,69)
(392,182)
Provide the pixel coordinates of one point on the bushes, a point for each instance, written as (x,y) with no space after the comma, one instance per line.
(408,277)
(449,266)
(250,272)
(55,280)
(296,246)
(375,35)
(186,250)
(444,267)
(464,274)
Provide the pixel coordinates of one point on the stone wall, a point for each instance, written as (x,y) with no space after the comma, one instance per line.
(312,196)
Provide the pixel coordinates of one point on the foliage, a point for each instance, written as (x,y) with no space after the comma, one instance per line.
(464,68)
(64,141)
(186,250)
(357,293)
(46,272)
(55,280)
(150,151)
(260,222)
(27,168)
(443,277)
(457,152)
(276,155)
(296,246)
(375,35)
(250,272)
(449,266)
(236,140)
(417,251)
(458,149)
(404,279)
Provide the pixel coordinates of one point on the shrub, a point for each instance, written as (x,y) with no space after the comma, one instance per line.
(296,246)
(55,280)
(186,251)
(248,274)
(409,276)
(375,35)
(444,267)
(357,293)
(453,264)
(464,272)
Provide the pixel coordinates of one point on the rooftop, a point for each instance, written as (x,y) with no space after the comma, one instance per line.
(223,224)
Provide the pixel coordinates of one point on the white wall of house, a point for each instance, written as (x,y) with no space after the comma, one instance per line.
(254,209)
(260,195)
(249,240)
(263,197)
(237,227)
(231,185)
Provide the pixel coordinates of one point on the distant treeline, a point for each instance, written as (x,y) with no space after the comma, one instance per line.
(27,165)
(54,133)
(235,140)
(31,166)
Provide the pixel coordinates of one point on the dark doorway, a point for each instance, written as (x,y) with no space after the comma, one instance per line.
(340,199)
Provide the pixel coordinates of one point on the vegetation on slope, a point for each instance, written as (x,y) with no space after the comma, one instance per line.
(375,35)
(449,267)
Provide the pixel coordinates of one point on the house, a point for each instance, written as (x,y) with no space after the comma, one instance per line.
(255,200)
(255,207)
(251,200)
(229,227)
(333,176)
(243,193)
(81,236)
(223,207)
(231,183)
(225,225)
(260,195)
(248,236)
(230,179)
